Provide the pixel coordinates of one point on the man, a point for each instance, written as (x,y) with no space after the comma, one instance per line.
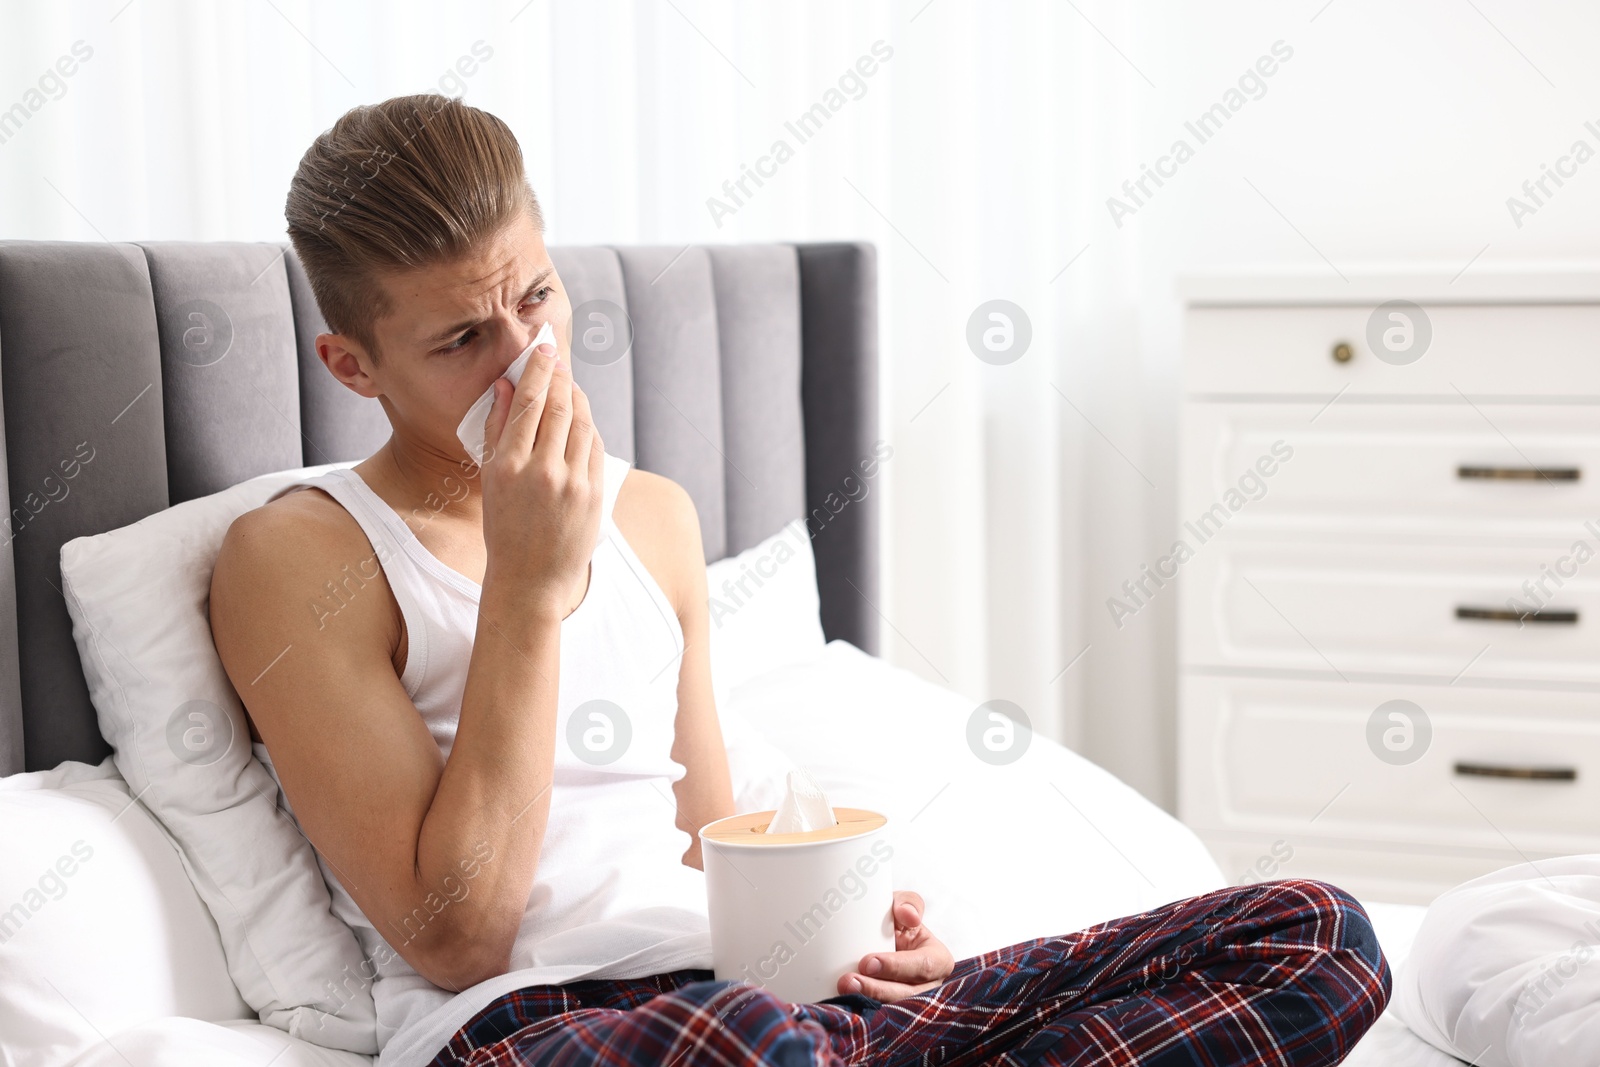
(420,731)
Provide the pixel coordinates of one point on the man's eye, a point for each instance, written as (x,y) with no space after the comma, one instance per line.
(541,295)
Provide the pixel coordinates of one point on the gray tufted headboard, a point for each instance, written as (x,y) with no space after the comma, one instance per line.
(752,381)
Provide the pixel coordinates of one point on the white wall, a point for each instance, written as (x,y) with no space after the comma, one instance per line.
(979,158)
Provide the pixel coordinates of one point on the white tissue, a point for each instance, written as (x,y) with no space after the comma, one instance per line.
(471,429)
(804,807)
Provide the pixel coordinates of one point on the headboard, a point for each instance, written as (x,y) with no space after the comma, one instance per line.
(752,381)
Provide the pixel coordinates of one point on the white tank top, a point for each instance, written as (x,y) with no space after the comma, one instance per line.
(611,897)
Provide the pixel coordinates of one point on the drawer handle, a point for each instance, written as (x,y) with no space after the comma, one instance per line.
(1519,474)
(1562,618)
(1524,774)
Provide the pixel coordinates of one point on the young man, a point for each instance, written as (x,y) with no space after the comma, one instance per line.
(521,901)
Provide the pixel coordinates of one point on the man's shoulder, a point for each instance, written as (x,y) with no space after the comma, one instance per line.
(300,533)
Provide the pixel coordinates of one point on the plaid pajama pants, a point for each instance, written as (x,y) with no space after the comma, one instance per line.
(1286,973)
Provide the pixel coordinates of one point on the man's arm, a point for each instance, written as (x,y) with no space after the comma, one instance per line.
(659,520)
(439,854)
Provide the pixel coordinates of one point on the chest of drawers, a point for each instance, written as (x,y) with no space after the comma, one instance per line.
(1388,569)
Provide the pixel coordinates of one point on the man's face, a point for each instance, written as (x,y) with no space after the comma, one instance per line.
(456,327)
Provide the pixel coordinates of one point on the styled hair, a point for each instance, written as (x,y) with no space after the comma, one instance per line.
(406,184)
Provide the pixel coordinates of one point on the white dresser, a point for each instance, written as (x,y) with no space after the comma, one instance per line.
(1388,569)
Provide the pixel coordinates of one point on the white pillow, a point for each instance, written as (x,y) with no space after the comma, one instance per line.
(764,609)
(138,598)
(101,928)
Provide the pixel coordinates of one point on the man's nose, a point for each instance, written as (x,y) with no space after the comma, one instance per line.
(526,334)
(533,335)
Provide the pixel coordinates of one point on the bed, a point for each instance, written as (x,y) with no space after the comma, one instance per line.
(750,380)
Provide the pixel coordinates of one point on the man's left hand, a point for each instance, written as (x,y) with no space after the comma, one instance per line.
(919,963)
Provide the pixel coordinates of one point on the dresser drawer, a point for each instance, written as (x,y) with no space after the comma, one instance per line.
(1439,610)
(1480,350)
(1512,469)
(1292,759)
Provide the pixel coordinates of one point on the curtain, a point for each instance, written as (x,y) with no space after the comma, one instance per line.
(980,146)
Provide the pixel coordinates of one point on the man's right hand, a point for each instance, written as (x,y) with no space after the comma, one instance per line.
(541,481)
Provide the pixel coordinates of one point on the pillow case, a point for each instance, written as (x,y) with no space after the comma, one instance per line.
(138,599)
(101,928)
(765,611)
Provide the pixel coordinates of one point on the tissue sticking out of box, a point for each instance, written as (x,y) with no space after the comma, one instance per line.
(804,807)
(470,432)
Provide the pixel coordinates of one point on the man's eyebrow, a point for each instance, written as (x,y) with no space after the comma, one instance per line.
(461,327)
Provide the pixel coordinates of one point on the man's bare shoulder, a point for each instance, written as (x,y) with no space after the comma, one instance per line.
(658,518)
(301,531)
(295,562)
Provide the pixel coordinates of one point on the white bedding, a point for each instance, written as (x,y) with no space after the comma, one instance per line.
(1049,844)
(1504,968)
(1390,1043)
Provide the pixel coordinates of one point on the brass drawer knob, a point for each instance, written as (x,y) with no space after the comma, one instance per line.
(1342,352)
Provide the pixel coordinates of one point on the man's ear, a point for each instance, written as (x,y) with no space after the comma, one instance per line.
(348,362)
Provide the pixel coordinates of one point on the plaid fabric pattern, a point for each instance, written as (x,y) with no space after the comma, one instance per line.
(1286,973)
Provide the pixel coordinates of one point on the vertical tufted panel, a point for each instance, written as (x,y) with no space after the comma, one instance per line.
(12,759)
(839,388)
(86,452)
(758,327)
(336,425)
(677,407)
(593,279)
(231,394)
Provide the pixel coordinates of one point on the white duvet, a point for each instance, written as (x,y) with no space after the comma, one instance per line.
(1505,969)
(1047,845)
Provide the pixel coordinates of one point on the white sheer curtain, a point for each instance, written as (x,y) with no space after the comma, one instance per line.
(978,156)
